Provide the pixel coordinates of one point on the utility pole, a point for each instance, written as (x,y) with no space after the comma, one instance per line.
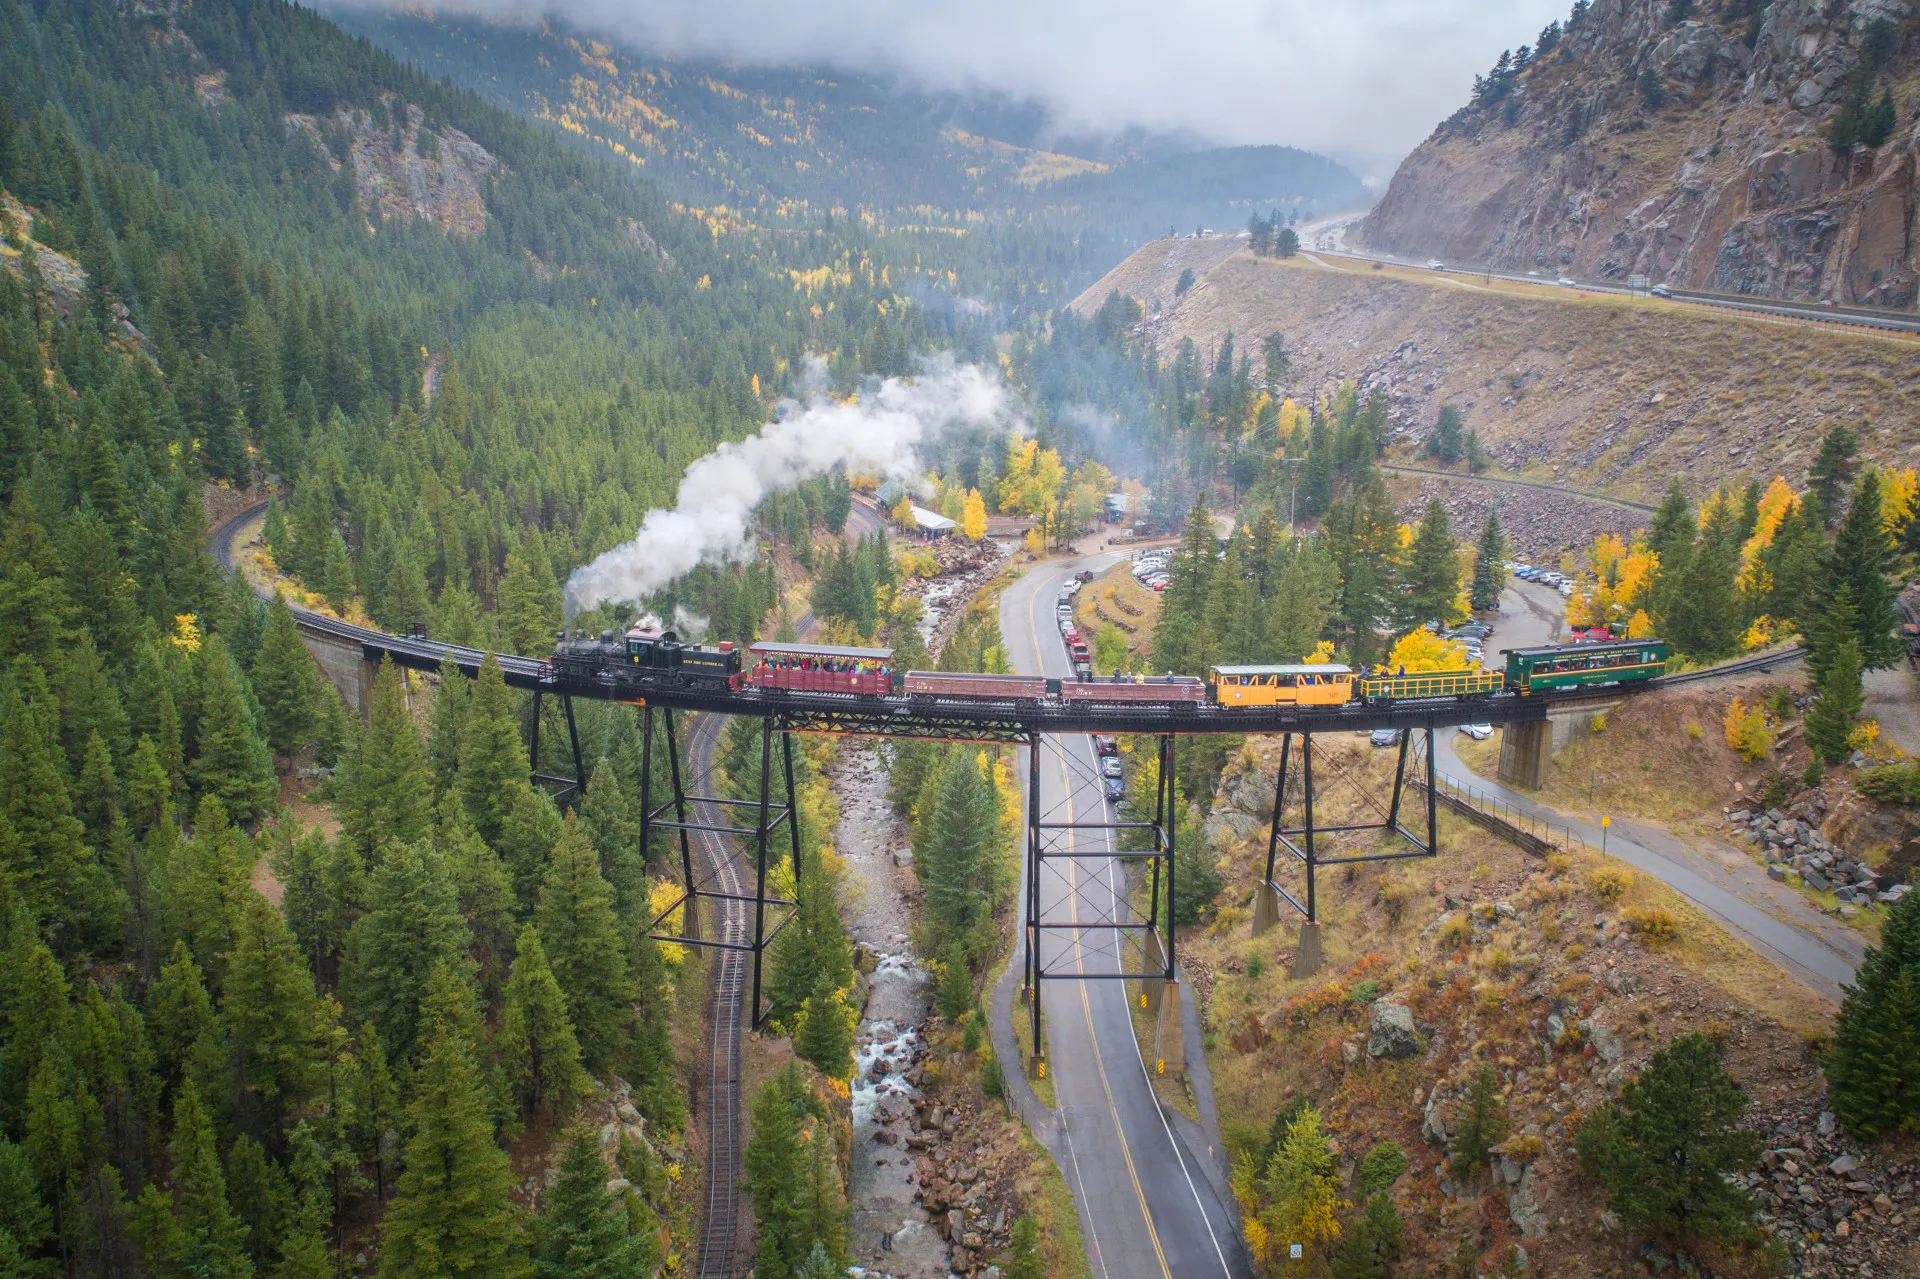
(1293,483)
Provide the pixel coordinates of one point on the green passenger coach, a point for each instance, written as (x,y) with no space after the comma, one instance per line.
(1622,661)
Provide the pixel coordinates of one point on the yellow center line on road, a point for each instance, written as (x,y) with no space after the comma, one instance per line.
(1086,1004)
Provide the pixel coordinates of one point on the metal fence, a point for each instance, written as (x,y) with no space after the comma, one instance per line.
(1463,795)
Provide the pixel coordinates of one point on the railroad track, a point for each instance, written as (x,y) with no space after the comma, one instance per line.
(720,1221)
(1745,666)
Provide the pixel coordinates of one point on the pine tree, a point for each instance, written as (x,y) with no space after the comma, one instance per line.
(271,1015)
(214,1240)
(1447,440)
(406,601)
(1433,573)
(1667,1150)
(45,857)
(451,1213)
(1489,564)
(336,574)
(1831,475)
(485,895)
(536,1044)
(231,760)
(449,718)
(826,1203)
(179,1011)
(1873,1086)
(493,763)
(615,833)
(1371,1242)
(414,924)
(278,539)
(825,1036)
(286,682)
(255,1192)
(656,1084)
(583,943)
(812,945)
(1862,554)
(1481,1128)
(1837,702)
(1673,528)
(1702,615)
(34,1001)
(387,791)
(582,1232)
(208,882)
(777,1174)
(529,611)
(958,861)
(1196,879)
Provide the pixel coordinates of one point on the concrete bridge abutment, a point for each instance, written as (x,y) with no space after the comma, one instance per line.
(1527,748)
(345,664)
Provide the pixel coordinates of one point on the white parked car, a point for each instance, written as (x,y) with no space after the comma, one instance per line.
(1478,732)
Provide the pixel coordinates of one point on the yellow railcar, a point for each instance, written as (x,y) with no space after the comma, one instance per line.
(1474,682)
(1320,684)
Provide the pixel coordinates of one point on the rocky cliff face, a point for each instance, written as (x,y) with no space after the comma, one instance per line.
(1692,149)
(403,169)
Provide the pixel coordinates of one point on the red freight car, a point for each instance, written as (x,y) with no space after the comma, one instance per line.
(821,668)
(960,684)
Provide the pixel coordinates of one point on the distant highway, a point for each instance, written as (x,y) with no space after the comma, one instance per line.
(1327,239)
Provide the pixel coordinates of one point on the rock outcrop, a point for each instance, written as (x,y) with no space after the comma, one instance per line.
(1694,152)
(402,168)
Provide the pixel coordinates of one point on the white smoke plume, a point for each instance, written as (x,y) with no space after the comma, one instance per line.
(879,433)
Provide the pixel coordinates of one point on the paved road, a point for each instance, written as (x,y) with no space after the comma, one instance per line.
(1723,881)
(1147,1204)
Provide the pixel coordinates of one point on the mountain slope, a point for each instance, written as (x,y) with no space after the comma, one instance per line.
(782,143)
(1592,390)
(1690,143)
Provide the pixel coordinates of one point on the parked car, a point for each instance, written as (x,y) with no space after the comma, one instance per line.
(1105,744)
(1116,790)
(1084,575)
(1110,766)
(1384,737)
(1565,588)
(1478,732)
(1158,584)
(1474,630)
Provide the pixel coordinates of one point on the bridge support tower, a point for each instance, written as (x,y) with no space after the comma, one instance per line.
(1301,843)
(750,936)
(1114,921)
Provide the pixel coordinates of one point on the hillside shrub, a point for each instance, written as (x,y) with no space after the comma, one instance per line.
(1610,883)
(1746,728)
(1382,1167)
(1890,783)
(1481,1128)
(1657,926)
